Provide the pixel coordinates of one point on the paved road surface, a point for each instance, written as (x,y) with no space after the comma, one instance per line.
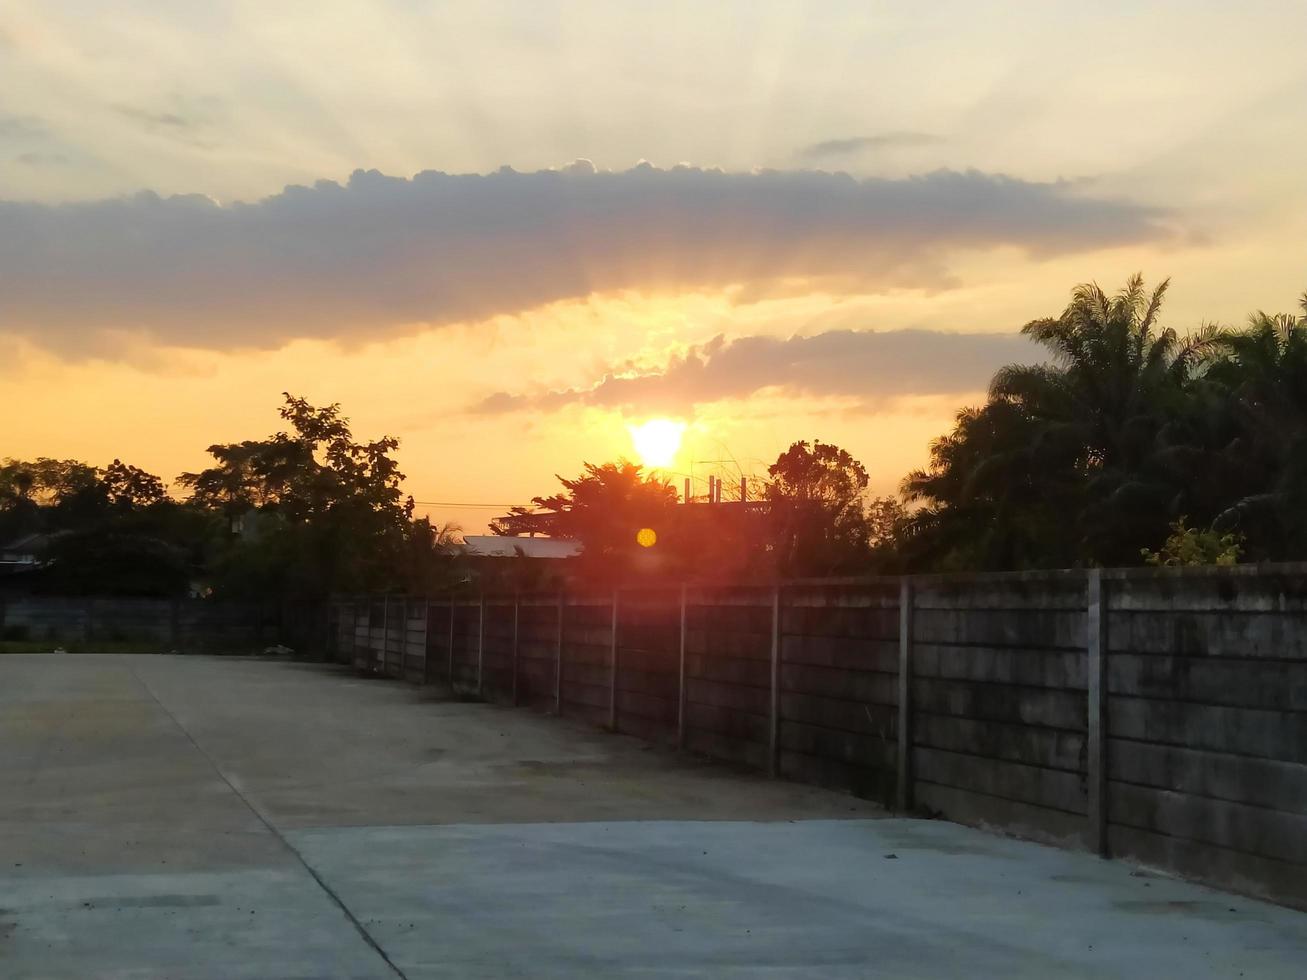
(190,817)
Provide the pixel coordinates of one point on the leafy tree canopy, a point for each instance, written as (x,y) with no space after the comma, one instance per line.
(1087,458)
(317,511)
(604,509)
(817,496)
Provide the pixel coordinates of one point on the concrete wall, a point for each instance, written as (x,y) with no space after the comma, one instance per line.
(180,624)
(1206,726)
(838,710)
(999,703)
(1157,715)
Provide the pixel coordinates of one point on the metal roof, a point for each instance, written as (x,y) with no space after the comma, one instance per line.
(499,546)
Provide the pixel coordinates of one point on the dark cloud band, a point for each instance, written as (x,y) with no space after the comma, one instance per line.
(863,144)
(335,261)
(872,367)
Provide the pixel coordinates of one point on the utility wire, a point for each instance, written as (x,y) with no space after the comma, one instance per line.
(448,503)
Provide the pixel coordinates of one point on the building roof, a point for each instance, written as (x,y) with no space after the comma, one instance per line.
(33,544)
(499,546)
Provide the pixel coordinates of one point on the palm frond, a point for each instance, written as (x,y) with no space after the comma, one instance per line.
(1154,304)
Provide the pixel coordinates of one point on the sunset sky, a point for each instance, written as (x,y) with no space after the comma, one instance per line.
(507,232)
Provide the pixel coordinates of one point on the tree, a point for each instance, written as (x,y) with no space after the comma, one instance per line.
(604,509)
(816,495)
(1072,461)
(108,532)
(45,481)
(113,559)
(47,495)
(887,519)
(331,511)
(1262,390)
(126,487)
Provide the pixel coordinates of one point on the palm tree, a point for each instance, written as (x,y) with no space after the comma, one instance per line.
(1117,382)
(1068,462)
(1264,376)
(1114,373)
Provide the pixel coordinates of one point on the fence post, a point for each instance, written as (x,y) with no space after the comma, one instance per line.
(352,648)
(450,670)
(903,795)
(516,613)
(385,633)
(1096,759)
(612,671)
(426,637)
(558,672)
(774,735)
(428,665)
(401,638)
(680,684)
(362,616)
(481,646)
(175,623)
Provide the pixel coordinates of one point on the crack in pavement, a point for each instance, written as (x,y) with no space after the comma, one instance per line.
(264,819)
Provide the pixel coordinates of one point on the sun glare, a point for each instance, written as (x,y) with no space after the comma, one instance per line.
(657,441)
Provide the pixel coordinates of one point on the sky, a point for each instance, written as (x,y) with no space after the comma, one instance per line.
(508,232)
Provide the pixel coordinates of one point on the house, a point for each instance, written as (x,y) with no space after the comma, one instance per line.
(23,557)
(27,553)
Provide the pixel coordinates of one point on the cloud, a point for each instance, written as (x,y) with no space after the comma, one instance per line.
(187,124)
(873,367)
(154,121)
(332,261)
(21,128)
(858,144)
(36,159)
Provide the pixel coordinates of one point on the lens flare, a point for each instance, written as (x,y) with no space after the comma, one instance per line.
(657,441)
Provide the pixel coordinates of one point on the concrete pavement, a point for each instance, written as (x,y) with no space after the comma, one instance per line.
(198,817)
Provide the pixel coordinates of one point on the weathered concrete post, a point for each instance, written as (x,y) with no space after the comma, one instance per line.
(426,638)
(680,673)
(175,622)
(363,617)
(353,630)
(774,733)
(612,671)
(558,670)
(450,670)
(428,664)
(1096,758)
(903,794)
(481,646)
(516,612)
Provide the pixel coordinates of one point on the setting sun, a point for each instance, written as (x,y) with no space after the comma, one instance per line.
(657,441)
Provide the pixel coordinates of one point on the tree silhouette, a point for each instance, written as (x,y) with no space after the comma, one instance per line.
(604,509)
(816,494)
(326,512)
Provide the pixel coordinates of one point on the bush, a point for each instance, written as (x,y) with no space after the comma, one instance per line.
(1190,546)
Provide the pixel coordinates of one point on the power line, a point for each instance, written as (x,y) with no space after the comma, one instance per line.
(448,503)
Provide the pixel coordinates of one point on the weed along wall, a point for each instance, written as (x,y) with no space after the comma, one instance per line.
(1155,715)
